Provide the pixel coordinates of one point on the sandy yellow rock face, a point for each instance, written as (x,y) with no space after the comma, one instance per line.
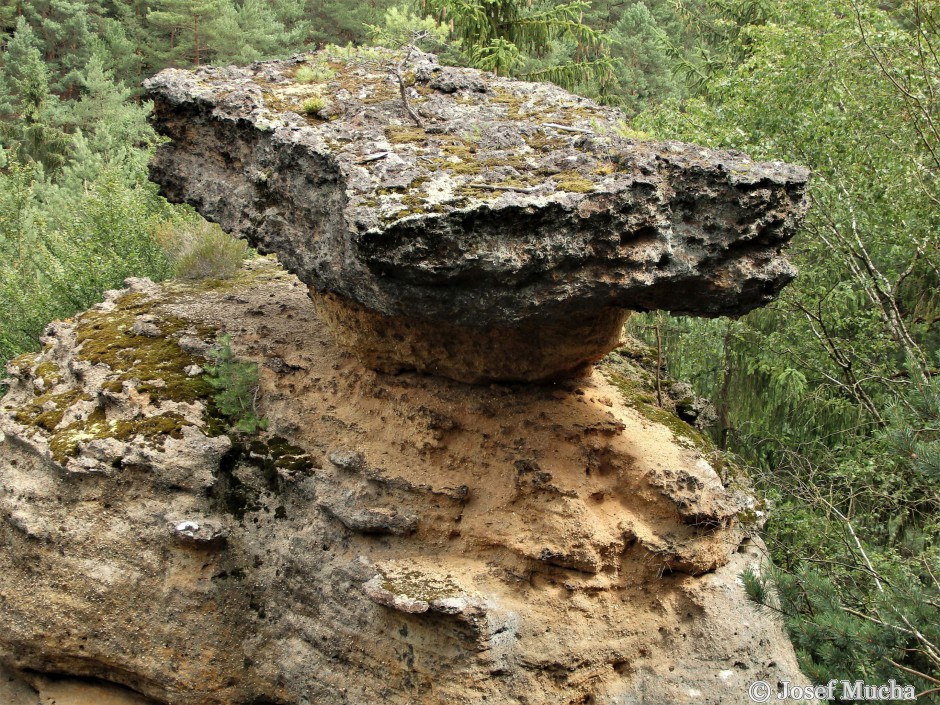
(391,538)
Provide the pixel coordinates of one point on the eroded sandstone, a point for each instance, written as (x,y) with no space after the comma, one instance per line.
(390,539)
(515,213)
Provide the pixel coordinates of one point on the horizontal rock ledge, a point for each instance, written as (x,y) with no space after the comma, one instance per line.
(513,206)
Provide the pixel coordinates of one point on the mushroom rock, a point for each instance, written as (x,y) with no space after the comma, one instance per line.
(402,538)
(453,222)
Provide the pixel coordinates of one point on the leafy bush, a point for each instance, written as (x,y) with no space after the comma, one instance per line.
(200,250)
(236,385)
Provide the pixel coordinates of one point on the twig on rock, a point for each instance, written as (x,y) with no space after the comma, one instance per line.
(402,88)
(373,157)
(568,128)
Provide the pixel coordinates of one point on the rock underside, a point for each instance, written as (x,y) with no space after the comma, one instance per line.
(513,206)
(389,539)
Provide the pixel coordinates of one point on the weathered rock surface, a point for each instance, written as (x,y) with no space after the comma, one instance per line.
(391,539)
(516,213)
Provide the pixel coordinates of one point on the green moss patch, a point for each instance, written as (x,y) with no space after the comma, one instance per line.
(404,134)
(24,361)
(573,182)
(154,365)
(34,413)
(49,373)
(640,397)
(156,429)
(157,364)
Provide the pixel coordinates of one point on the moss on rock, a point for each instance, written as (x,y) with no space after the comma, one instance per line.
(157,365)
(47,410)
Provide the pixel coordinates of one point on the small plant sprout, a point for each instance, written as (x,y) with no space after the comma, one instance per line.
(313,105)
(236,388)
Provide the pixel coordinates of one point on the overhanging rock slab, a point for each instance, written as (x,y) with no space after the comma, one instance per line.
(505,237)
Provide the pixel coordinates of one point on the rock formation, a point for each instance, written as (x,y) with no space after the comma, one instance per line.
(389,539)
(405,539)
(466,225)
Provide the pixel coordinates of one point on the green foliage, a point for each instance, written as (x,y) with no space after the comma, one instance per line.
(200,250)
(644,72)
(342,22)
(510,37)
(236,385)
(756,585)
(54,264)
(832,393)
(313,105)
(63,34)
(837,636)
(31,125)
(246,32)
(304,75)
(189,25)
(400,26)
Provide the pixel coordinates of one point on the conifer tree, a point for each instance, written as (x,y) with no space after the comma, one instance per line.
(64,38)
(110,129)
(30,124)
(341,22)
(247,32)
(187,26)
(499,35)
(644,72)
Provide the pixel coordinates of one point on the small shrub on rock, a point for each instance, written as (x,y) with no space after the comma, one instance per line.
(236,387)
(314,105)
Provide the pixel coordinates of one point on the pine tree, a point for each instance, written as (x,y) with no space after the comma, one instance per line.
(248,32)
(133,47)
(30,125)
(9,12)
(110,129)
(341,22)
(64,38)
(188,27)
(510,36)
(118,51)
(644,73)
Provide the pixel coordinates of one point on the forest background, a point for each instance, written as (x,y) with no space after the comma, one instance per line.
(831,395)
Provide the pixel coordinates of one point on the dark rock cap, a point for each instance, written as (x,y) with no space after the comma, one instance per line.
(475,209)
